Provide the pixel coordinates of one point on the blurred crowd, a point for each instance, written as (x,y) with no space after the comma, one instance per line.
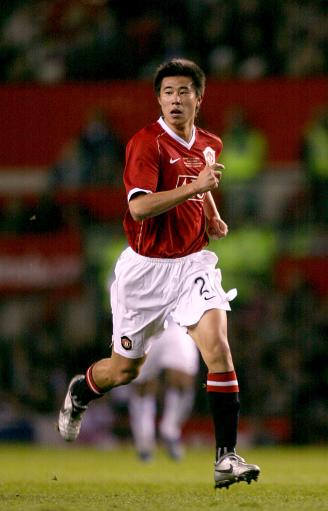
(56,40)
(278,333)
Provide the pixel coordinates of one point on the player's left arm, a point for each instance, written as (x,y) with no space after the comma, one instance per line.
(216,227)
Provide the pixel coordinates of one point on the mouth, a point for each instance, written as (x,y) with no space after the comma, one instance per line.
(176,112)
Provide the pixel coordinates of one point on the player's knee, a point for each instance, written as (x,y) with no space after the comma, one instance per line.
(128,374)
(219,353)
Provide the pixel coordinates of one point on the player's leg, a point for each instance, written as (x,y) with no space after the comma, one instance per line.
(128,350)
(210,335)
(142,413)
(177,406)
(143,401)
(179,358)
(99,379)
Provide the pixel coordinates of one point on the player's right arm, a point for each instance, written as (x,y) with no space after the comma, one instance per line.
(147,205)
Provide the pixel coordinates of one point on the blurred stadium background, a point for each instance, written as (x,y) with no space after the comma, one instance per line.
(75,85)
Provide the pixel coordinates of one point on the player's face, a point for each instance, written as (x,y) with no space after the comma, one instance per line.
(179,101)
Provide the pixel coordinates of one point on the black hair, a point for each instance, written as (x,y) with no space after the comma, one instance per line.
(180,67)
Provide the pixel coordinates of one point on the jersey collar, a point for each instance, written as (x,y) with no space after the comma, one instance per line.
(176,137)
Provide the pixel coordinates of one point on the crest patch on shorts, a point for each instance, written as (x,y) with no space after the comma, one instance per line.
(126,343)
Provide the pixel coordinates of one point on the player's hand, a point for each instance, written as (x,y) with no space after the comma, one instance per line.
(216,228)
(209,178)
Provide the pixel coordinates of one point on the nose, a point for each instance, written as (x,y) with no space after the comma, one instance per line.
(176,98)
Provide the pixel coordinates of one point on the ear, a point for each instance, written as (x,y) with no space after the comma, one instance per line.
(198,103)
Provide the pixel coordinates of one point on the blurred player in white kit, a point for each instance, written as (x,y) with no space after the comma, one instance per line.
(174,352)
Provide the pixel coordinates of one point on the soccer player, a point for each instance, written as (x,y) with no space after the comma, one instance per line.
(173,359)
(171,168)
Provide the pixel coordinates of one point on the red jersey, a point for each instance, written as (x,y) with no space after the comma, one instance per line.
(158,160)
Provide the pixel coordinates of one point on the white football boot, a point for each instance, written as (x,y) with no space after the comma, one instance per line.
(231,468)
(70,415)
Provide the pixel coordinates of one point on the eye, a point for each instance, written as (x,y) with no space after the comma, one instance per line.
(185,92)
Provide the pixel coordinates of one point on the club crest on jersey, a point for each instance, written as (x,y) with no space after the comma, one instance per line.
(126,343)
(185,180)
(209,155)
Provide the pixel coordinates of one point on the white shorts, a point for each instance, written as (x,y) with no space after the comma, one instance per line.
(146,291)
(172,348)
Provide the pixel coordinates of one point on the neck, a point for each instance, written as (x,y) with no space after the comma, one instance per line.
(183,131)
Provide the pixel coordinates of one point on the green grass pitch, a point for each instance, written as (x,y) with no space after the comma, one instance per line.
(75,478)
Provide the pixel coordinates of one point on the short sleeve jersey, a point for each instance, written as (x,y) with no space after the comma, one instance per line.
(158,160)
